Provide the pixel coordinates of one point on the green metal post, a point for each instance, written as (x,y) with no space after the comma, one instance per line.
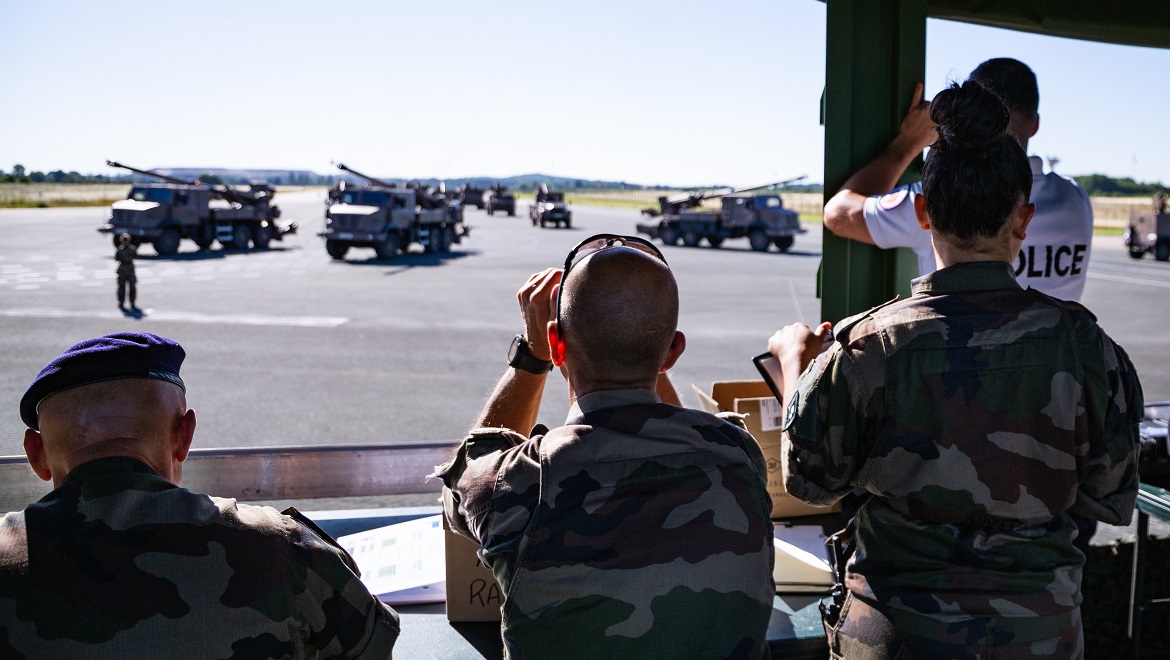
(876,53)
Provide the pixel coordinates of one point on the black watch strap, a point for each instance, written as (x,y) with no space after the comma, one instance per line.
(520,358)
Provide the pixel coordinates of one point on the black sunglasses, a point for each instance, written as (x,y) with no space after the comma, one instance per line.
(595,244)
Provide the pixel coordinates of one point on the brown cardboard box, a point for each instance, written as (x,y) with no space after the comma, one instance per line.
(472,591)
(765,416)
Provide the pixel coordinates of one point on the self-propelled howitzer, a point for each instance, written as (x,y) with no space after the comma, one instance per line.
(163,214)
(760,217)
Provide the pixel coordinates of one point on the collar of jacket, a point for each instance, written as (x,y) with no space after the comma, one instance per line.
(970,276)
(599,399)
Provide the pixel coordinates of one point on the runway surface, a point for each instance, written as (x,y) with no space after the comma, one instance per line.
(289,347)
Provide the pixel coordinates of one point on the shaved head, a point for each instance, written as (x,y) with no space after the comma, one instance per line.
(140,417)
(619,313)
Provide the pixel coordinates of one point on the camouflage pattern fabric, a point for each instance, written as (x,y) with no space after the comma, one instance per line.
(117,562)
(637,530)
(125,257)
(978,415)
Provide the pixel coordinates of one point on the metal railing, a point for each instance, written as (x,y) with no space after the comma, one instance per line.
(276,473)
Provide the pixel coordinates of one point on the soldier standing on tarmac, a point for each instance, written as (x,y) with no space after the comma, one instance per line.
(126,278)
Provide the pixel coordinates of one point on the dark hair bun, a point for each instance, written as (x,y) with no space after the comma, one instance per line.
(969,117)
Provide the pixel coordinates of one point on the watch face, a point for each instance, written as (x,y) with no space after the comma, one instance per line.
(514,349)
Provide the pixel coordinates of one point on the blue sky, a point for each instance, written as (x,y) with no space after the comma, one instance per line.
(664,92)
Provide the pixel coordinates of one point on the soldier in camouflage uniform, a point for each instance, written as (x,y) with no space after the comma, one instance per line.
(119,562)
(639,529)
(977,415)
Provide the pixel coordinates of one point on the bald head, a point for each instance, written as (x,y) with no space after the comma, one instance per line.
(137,417)
(619,313)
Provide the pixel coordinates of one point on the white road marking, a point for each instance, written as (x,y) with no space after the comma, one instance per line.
(1129,280)
(186,317)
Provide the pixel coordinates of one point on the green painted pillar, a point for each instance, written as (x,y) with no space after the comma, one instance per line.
(875,55)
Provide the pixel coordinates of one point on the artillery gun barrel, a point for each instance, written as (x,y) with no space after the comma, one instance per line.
(379,182)
(223,192)
(164,177)
(697,197)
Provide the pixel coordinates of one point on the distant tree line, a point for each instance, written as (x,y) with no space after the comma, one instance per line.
(20,175)
(1100,185)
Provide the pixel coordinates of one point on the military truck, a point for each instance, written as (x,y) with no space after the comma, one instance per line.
(499,199)
(470,195)
(762,218)
(1150,231)
(389,218)
(163,214)
(549,208)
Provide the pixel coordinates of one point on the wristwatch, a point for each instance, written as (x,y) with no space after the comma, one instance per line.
(520,358)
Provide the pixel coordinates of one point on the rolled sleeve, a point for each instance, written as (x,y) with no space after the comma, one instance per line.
(492,486)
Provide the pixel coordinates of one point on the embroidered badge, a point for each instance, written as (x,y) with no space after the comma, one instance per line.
(790,414)
(893,200)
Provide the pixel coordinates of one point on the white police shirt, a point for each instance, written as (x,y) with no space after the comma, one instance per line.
(1053,258)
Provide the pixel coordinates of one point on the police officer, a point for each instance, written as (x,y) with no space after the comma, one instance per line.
(976,414)
(639,529)
(118,561)
(1053,258)
(127,280)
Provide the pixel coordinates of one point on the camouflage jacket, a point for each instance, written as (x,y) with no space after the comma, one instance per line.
(117,562)
(978,414)
(637,530)
(125,257)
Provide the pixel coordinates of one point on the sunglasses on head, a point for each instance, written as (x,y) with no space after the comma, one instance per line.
(595,244)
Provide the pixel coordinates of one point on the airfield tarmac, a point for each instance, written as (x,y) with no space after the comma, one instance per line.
(289,347)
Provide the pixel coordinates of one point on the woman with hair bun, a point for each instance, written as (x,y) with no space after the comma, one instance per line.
(975,415)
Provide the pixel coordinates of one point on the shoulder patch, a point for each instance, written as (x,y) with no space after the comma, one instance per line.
(790,414)
(893,200)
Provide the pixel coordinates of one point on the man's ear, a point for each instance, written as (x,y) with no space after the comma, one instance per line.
(556,345)
(183,436)
(1035,125)
(920,212)
(677,346)
(34,449)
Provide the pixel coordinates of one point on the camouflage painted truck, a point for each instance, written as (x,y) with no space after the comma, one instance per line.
(500,199)
(550,208)
(761,218)
(389,218)
(471,195)
(163,214)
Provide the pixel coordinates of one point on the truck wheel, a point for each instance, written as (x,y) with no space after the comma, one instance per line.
(511,213)
(714,240)
(668,234)
(1136,253)
(262,238)
(784,243)
(204,242)
(336,249)
(759,240)
(448,240)
(568,223)
(388,249)
(241,237)
(1162,249)
(167,244)
(691,238)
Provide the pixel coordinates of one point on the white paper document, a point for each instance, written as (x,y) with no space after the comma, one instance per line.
(402,563)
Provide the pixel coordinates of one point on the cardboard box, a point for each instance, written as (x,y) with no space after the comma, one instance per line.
(765,416)
(472,591)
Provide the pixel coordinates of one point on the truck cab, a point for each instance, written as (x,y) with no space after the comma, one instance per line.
(550,208)
(152,208)
(389,220)
(763,219)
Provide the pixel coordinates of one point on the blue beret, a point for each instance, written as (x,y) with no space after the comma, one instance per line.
(112,357)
